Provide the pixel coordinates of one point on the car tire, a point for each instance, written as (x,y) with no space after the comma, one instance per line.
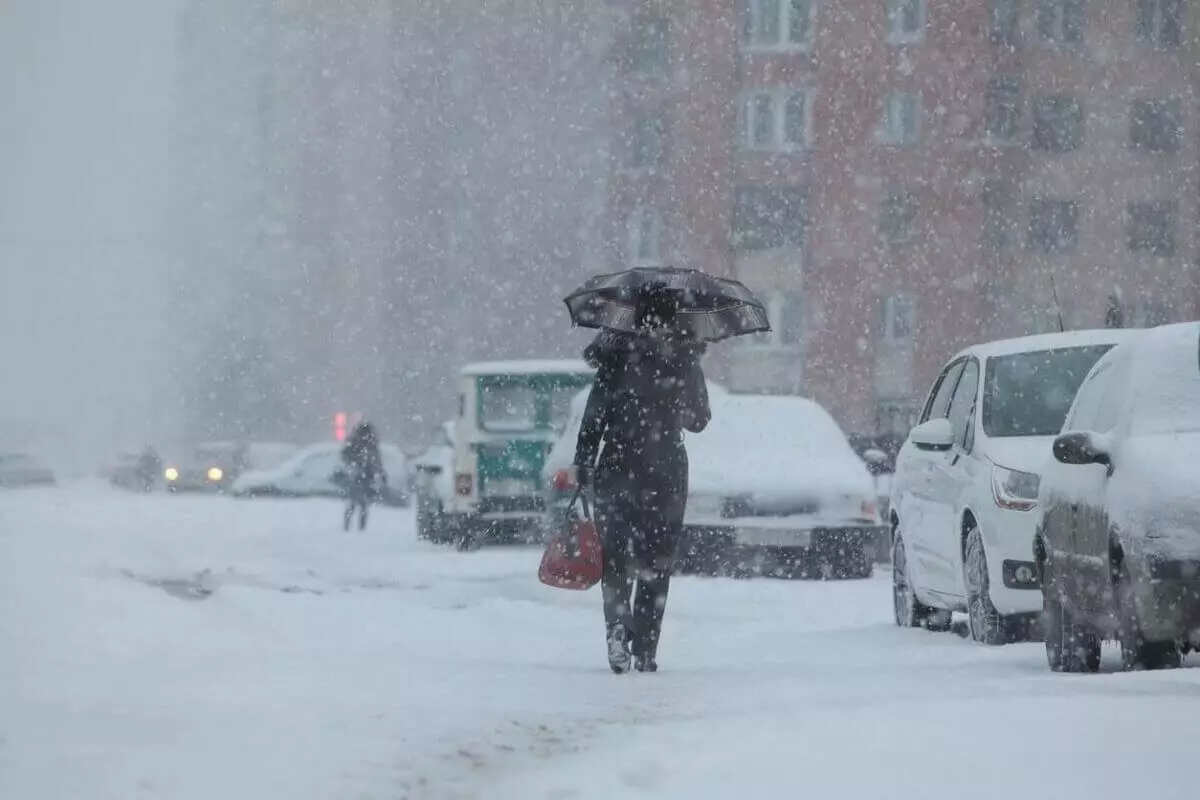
(907,610)
(1070,647)
(1136,652)
(986,624)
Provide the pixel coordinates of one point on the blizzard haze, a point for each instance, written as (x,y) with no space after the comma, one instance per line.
(83,151)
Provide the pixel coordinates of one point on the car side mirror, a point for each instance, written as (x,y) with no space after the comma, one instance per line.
(1081,448)
(936,435)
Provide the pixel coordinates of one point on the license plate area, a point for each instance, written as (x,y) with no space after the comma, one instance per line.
(773,537)
(505,487)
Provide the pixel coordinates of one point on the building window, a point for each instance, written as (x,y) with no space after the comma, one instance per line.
(645,230)
(776,120)
(1156,126)
(1057,124)
(648,142)
(901,122)
(898,216)
(899,319)
(905,20)
(766,218)
(1001,108)
(1158,22)
(997,227)
(1002,21)
(1060,21)
(1053,225)
(1152,227)
(648,54)
(785,313)
(777,23)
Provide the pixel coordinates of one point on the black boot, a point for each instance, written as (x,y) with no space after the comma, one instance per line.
(618,649)
(645,664)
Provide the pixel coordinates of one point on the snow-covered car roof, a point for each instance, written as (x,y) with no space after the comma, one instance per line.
(761,445)
(390,452)
(547,366)
(1050,341)
(773,445)
(1165,383)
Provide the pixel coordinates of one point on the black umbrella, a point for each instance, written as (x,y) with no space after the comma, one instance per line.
(710,308)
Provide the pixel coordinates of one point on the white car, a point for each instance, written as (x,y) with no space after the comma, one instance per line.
(310,472)
(967,481)
(774,488)
(19,469)
(434,485)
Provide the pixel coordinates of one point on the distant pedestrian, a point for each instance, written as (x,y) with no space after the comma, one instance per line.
(649,388)
(365,476)
(148,469)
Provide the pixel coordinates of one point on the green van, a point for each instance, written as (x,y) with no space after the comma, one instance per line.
(509,415)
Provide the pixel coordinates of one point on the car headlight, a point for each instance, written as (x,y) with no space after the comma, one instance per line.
(1013,489)
(215,474)
(171,474)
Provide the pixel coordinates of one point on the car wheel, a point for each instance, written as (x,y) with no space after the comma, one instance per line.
(1069,647)
(1136,652)
(987,626)
(908,611)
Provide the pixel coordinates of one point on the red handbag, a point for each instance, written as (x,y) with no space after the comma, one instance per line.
(573,558)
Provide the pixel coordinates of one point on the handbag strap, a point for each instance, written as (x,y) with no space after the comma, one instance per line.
(581,498)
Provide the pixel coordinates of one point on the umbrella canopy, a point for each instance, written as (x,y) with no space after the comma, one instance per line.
(710,309)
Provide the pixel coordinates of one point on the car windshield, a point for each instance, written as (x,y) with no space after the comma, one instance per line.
(508,407)
(1029,394)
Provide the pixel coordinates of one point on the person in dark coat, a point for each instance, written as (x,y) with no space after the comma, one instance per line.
(148,468)
(364,472)
(649,388)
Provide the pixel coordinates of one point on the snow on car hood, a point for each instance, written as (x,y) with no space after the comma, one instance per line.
(1023,453)
(766,448)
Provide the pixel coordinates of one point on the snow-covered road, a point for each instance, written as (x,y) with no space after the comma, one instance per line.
(195,647)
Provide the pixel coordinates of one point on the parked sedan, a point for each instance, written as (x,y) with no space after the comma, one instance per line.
(19,469)
(966,482)
(310,474)
(774,489)
(1118,545)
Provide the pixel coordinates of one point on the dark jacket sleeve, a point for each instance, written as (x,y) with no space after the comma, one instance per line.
(596,415)
(696,411)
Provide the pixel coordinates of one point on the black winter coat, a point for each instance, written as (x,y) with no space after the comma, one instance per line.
(648,390)
(364,465)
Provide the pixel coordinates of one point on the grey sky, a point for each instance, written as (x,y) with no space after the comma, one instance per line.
(85,99)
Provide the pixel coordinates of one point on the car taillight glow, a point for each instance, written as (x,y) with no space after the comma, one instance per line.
(564,480)
(463,483)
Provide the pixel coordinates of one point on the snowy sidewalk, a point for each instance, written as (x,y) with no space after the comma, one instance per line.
(194,647)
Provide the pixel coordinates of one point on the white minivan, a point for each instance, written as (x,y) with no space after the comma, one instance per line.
(967,479)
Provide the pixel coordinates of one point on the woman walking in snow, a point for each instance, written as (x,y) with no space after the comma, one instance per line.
(364,473)
(649,388)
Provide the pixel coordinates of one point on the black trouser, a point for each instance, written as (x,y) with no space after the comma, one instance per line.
(640,530)
(357,498)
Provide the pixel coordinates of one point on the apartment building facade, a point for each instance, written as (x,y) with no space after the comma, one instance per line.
(900,179)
